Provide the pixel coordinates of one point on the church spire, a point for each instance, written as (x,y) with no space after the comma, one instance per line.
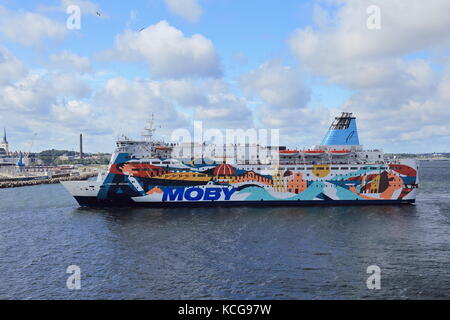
(4,136)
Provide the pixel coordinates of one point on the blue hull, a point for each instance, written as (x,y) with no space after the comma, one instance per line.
(95,202)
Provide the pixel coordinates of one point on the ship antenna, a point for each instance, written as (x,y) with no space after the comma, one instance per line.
(149,129)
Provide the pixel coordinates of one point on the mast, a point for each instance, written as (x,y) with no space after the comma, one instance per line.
(149,129)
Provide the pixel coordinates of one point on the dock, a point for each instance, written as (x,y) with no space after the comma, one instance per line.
(27,183)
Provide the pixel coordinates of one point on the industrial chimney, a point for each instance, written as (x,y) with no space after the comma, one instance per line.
(81,146)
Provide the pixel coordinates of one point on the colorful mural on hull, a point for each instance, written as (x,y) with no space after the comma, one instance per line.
(144,182)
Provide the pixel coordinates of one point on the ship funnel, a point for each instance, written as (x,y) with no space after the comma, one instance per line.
(343,131)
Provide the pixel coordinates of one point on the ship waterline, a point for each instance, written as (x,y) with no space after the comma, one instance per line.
(337,172)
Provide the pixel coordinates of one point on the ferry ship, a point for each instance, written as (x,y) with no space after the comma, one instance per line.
(152,173)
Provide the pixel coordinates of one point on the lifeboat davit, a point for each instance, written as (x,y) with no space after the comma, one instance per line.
(313,153)
(339,152)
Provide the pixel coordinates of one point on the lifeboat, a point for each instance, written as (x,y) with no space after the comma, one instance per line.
(313,153)
(162,148)
(339,152)
(289,152)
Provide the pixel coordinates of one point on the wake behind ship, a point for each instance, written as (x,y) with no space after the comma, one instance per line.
(152,173)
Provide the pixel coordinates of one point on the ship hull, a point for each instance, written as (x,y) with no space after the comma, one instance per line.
(94,202)
(315,185)
(338,172)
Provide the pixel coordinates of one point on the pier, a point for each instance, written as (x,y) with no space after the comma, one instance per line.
(16,183)
(11,177)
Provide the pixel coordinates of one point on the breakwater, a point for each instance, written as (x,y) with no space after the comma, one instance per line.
(27,183)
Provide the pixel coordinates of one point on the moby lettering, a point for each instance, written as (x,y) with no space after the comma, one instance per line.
(198,194)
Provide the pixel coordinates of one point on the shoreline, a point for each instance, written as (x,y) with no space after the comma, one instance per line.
(29,183)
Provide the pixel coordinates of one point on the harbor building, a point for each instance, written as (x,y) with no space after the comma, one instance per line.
(13,158)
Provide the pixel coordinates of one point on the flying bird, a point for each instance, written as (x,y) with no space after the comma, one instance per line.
(98,13)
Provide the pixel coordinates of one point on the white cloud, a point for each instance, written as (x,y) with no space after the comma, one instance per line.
(298,127)
(399,109)
(68,61)
(173,106)
(11,69)
(443,89)
(34,101)
(72,111)
(34,94)
(187,9)
(28,28)
(210,101)
(29,94)
(283,101)
(186,93)
(224,110)
(168,52)
(353,55)
(132,101)
(69,85)
(37,103)
(278,85)
(406,26)
(400,102)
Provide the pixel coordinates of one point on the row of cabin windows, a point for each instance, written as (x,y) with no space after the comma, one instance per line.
(309,168)
(297,191)
(333,168)
(171,175)
(192,175)
(146,169)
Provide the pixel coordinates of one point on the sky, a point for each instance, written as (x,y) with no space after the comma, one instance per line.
(290,65)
